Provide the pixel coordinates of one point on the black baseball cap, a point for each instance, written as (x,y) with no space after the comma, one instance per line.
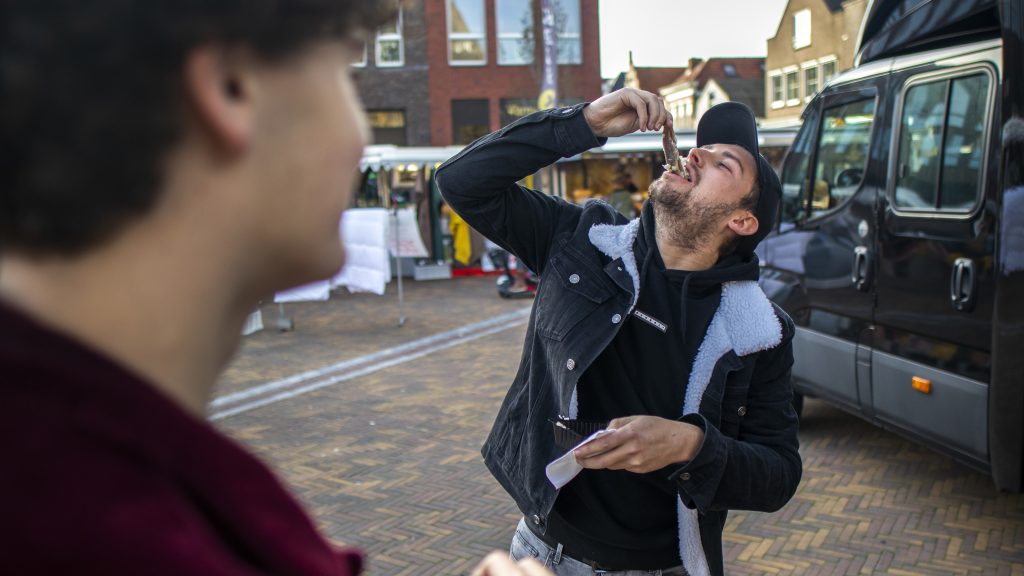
(734,123)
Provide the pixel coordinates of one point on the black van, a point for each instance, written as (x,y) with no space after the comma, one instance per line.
(900,248)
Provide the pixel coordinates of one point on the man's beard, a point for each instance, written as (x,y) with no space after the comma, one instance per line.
(683,222)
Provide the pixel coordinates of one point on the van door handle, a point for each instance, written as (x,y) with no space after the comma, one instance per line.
(860,268)
(963,285)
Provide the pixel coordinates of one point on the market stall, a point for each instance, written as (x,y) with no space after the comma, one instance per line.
(403,177)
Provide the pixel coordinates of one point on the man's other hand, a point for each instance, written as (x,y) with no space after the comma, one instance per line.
(625,111)
(642,444)
(499,564)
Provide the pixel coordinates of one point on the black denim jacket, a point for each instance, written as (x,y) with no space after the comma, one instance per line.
(749,459)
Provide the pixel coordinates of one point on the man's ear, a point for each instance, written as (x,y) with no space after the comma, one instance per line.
(218,88)
(743,224)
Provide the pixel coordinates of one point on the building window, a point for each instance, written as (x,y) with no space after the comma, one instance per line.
(467,32)
(388,126)
(778,98)
(390,49)
(828,71)
(792,88)
(513,109)
(811,80)
(801,29)
(729,70)
(567,20)
(470,120)
(515,32)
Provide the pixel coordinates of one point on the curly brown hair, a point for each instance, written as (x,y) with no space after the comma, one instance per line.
(90,100)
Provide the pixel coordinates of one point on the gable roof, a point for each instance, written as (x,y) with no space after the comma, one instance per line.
(720,68)
(651,79)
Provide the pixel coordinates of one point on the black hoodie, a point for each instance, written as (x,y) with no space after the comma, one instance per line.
(621,519)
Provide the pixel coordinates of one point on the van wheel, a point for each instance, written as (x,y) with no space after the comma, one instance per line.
(798,404)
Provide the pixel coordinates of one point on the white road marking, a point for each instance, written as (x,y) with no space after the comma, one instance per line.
(292,386)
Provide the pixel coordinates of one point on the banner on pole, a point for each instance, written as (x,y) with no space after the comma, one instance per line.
(549,80)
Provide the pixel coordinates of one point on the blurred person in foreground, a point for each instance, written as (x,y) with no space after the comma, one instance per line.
(164,164)
(654,328)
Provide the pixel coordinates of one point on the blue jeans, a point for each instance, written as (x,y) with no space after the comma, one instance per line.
(526,543)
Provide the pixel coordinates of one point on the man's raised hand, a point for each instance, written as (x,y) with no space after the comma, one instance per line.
(626,111)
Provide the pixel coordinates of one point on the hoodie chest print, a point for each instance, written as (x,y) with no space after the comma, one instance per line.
(651,320)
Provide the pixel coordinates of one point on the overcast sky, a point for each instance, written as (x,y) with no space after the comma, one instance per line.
(669,32)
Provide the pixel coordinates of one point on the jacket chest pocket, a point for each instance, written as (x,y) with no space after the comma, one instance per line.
(570,291)
(725,401)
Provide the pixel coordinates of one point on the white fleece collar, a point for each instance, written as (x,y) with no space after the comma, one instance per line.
(616,241)
(744,323)
(745,309)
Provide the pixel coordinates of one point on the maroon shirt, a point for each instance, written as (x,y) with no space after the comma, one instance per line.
(102,474)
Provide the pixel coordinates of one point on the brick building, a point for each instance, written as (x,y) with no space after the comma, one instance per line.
(815,41)
(448,71)
(485,61)
(392,80)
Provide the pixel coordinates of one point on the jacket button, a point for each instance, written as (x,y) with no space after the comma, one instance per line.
(537,519)
(571,364)
(742,411)
(574,279)
(684,476)
(617,318)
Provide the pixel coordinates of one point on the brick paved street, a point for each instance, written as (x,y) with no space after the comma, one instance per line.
(385,451)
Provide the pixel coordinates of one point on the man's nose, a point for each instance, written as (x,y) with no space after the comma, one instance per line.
(697,156)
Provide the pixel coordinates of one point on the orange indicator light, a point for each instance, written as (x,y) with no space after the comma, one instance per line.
(922,385)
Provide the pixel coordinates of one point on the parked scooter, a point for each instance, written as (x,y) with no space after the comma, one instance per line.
(508,263)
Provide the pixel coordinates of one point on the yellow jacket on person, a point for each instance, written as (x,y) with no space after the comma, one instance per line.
(461,242)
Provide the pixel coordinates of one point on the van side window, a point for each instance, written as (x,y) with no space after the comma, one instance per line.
(942,127)
(842,154)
